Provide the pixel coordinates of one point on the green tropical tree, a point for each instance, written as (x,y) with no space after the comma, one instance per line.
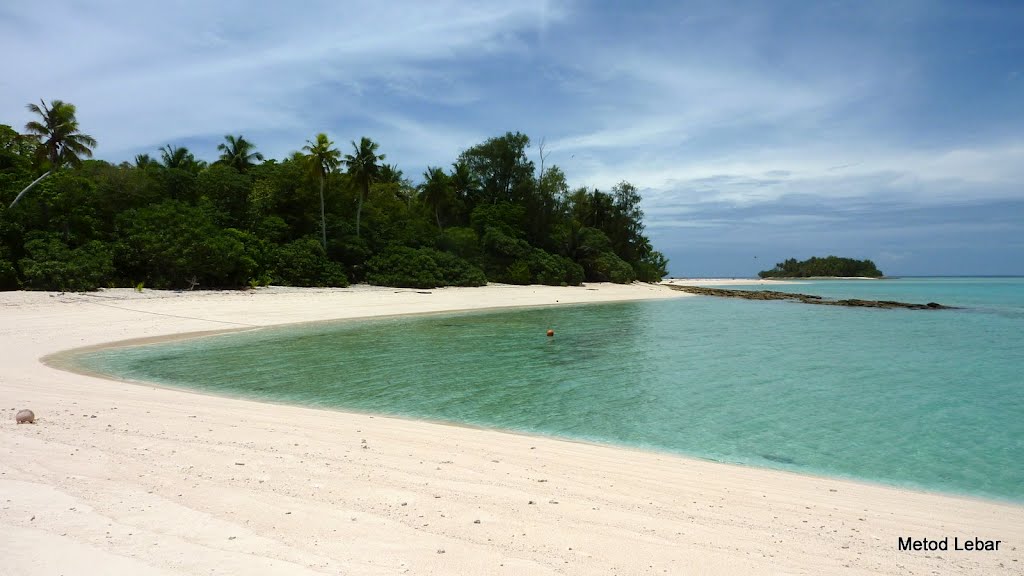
(390,174)
(144,161)
(323,158)
(169,220)
(178,171)
(19,144)
(179,157)
(238,153)
(465,182)
(436,191)
(505,173)
(57,132)
(364,169)
(466,188)
(400,185)
(60,142)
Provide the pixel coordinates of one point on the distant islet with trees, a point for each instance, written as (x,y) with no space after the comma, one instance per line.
(320,217)
(829,266)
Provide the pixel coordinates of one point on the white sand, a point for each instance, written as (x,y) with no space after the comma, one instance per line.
(119,478)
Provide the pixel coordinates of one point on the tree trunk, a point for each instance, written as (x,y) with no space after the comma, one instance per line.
(437,216)
(323,218)
(29,187)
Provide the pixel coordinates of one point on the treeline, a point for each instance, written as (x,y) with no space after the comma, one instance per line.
(315,218)
(828,266)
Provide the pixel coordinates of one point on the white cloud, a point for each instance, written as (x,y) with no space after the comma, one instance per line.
(923,177)
(142,75)
(692,113)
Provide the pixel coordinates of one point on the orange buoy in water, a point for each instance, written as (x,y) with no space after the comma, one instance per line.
(551,333)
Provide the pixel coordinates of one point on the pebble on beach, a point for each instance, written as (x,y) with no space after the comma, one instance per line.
(25,417)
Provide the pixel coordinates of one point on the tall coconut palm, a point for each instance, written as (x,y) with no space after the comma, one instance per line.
(323,159)
(238,152)
(465,182)
(60,142)
(466,188)
(179,157)
(390,174)
(364,169)
(435,191)
(144,161)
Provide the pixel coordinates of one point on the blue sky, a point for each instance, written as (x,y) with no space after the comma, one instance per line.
(756,131)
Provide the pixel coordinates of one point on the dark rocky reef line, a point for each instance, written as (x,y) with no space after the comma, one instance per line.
(805,298)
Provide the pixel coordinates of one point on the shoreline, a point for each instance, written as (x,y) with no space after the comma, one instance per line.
(64,361)
(658,485)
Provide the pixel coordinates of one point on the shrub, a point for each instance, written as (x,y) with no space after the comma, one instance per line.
(52,265)
(456,271)
(8,276)
(518,273)
(651,268)
(607,267)
(593,242)
(352,252)
(170,244)
(463,242)
(554,270)
(304,263)
(508,218)
(272,228)
(497,243)
(421,268)
(541,267)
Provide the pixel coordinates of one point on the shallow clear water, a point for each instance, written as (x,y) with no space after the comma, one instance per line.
(929,399)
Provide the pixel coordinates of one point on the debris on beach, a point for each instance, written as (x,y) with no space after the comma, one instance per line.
(25,417)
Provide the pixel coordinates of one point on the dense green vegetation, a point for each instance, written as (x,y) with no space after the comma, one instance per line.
(828,266)
(316,218)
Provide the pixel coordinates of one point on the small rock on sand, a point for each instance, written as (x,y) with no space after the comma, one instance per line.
(25,417)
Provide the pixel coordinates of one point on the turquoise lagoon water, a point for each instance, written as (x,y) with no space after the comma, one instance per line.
(926,399)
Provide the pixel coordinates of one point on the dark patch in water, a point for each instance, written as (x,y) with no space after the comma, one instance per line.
(779,459)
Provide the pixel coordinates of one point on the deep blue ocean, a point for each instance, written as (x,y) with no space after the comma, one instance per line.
(927,399)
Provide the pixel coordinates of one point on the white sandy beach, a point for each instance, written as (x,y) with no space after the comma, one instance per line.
(121,478)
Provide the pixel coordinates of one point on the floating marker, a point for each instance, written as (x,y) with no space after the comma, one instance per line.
(551,333)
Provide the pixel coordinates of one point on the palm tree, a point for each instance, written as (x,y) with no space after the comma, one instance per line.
(465,183)
(466,186)
(324,159)
(435,190)
(238,152)
(390,174)
(179,157)
(179,168)
(144,161)
(60,142)
(364,169)
(404,190)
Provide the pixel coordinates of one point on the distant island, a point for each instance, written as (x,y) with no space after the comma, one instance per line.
(823,267)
